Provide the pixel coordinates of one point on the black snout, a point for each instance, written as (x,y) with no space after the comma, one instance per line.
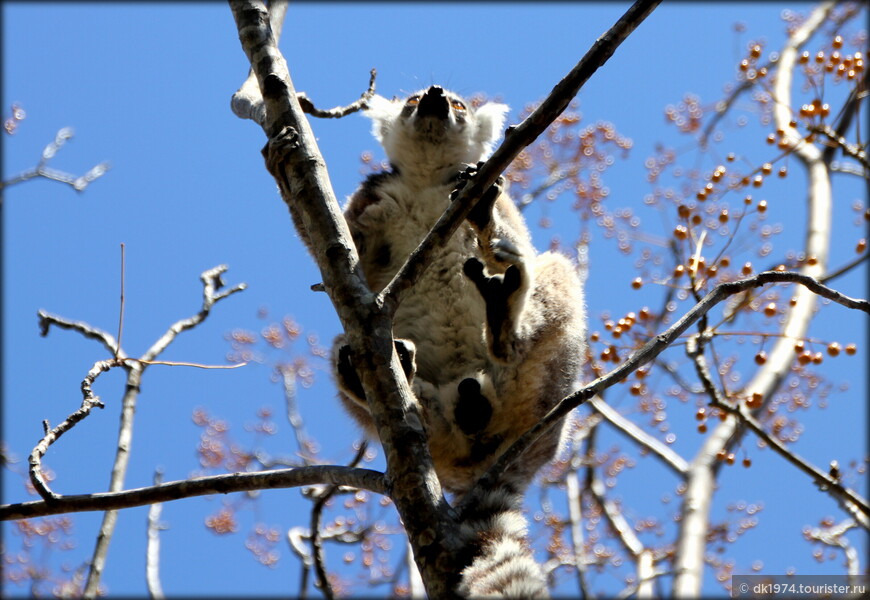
(433,103)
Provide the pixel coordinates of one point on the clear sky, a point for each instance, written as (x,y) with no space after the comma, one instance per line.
(148,86)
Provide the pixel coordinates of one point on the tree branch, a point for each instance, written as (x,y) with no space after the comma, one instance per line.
(364,479)
(294,160)
(656,346)
(692,537)
(673,460)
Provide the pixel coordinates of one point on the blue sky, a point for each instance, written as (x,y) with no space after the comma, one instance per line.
(147,87)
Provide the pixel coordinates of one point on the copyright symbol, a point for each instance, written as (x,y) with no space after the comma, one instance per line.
(744,588)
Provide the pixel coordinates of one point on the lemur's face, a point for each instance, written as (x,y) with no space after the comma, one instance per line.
(435,110)
(435,130)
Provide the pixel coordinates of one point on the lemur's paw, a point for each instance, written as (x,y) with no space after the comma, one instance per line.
(481,215)
(505,251)
(496,288)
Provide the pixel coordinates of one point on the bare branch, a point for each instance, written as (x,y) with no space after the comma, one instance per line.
(855,505)
(692,538)
(51,436)
(152,552)
(42,169)
(46,320)
(364,479)
(339,111)
(676,462)
(316,513)
(211,282)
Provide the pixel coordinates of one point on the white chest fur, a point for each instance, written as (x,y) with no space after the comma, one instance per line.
(443,314)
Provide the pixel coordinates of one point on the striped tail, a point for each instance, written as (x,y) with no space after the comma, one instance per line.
(503,565)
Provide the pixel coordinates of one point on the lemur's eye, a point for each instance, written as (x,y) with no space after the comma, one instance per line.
(457,105)
(413,101)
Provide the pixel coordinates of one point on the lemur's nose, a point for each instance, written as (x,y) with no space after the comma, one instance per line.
(433,103)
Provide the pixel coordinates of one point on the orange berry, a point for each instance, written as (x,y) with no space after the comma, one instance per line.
(770,309)
(762,206)
(833,349)
(747,463)
(851,349)
(761,357)
(637,283)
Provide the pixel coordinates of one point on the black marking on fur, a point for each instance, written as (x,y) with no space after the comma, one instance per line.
(367,194)
(383,255)
(347,372)
(496,291)
(473,411)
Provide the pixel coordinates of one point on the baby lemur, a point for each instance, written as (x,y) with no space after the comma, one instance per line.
(491,335)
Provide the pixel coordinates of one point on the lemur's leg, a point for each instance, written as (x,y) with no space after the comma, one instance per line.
(504,296)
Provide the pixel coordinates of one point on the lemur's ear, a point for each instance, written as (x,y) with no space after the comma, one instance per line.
(490,122)
(382,112)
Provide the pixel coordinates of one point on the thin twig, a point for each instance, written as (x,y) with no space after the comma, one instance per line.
(46,320)
(676,462)
(339,111)
(78,183)
(121,309)
(89,401)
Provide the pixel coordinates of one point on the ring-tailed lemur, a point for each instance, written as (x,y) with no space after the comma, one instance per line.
(491,336)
